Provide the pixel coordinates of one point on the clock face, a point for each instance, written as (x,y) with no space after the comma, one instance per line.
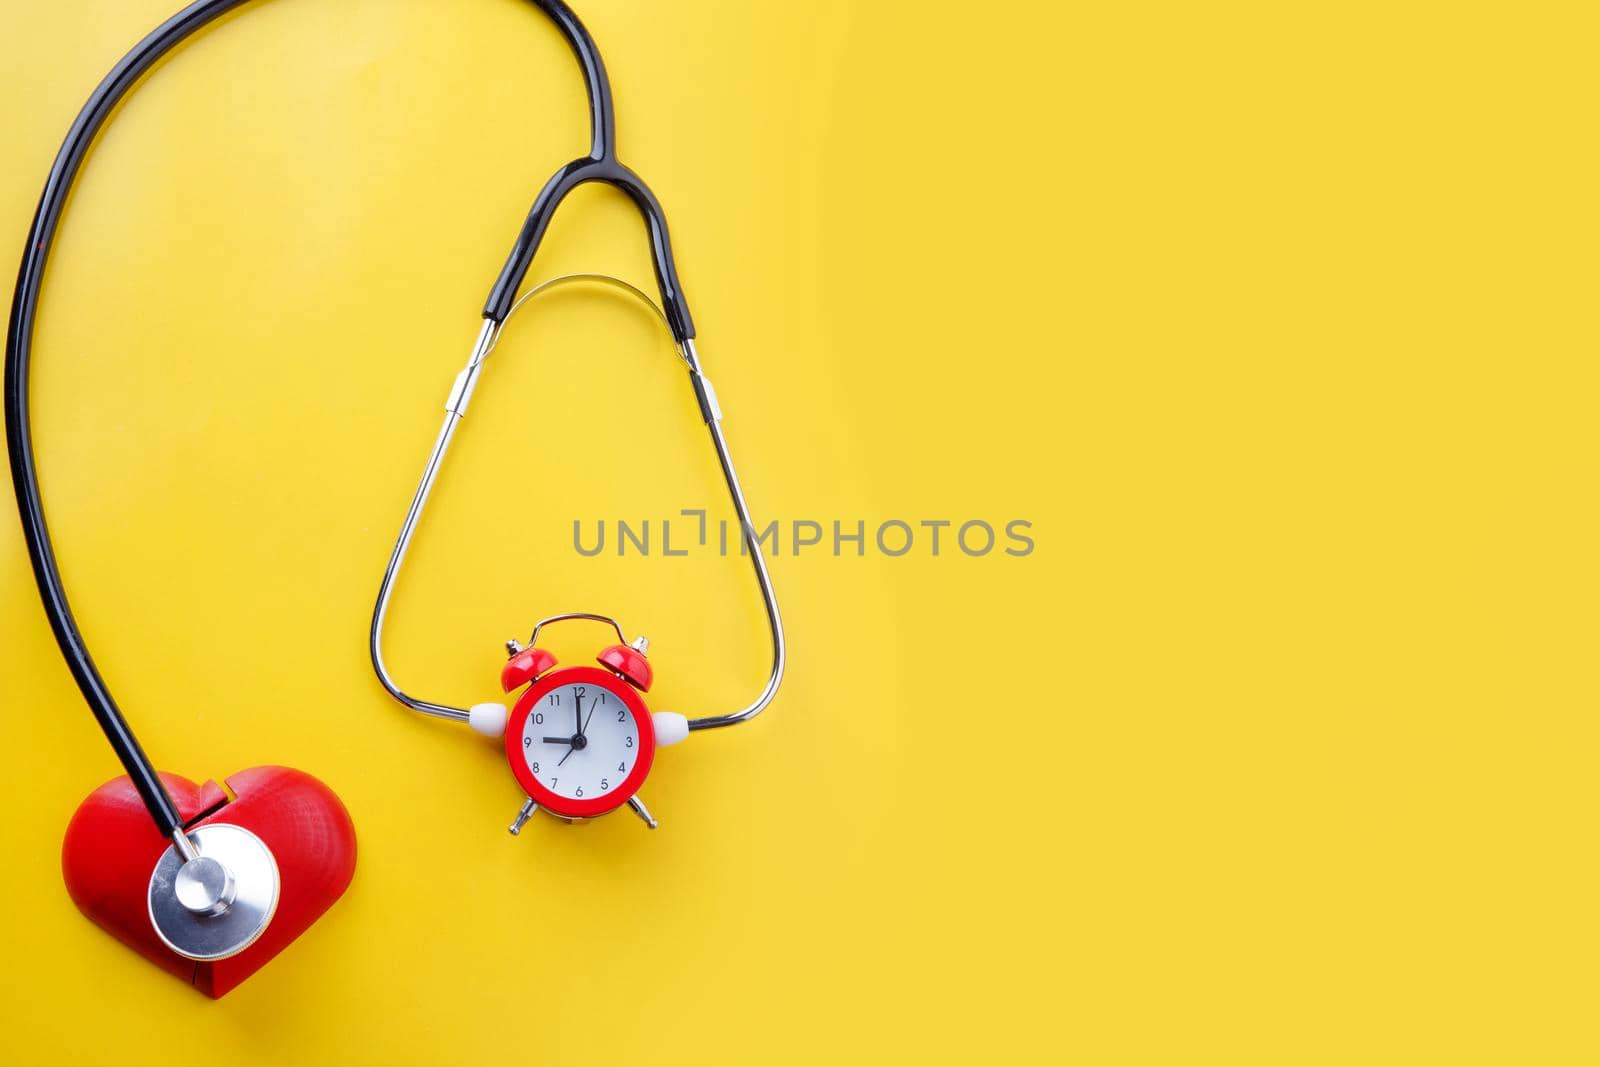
(581,741)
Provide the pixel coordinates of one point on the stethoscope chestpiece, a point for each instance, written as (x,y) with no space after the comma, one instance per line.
(217,902)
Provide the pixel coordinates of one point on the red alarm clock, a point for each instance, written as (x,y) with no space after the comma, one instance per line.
(580,740)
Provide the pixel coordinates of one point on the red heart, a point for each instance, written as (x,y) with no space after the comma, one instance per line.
(112,846)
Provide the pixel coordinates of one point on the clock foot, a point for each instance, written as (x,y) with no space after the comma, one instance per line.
(523,816)
(643,812)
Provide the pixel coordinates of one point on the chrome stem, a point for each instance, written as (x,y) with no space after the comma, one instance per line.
(768,597)
(184,845)
(455,408)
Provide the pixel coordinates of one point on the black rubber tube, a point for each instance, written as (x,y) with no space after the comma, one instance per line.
(600,165)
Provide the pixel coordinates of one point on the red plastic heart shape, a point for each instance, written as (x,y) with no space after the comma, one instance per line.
(112,846)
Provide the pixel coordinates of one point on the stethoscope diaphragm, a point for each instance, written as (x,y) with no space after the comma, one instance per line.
(216,904)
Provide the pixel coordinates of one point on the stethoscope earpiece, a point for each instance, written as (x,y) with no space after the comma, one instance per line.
(215,902)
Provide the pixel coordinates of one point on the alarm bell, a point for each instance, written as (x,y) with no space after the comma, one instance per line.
(629,662)
(524,667)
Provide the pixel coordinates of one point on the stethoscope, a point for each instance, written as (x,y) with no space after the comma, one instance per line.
(538,668)
(214,889)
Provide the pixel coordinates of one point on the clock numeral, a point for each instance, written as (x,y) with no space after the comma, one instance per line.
(536,767)
(526,741)
(538,718)
(580,691)
(555,698)
(622,716)
(553,781)
(580,790)
(620,767)
(605,783)
(630,740)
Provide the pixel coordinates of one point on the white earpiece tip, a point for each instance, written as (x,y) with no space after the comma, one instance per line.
(670,727)
(488,719)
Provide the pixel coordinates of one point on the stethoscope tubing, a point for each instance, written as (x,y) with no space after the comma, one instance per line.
(19,438)
(600,165)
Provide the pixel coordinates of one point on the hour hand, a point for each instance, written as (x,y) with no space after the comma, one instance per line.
(558,740)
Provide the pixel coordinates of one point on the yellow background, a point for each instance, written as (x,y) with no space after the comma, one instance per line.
(1276,321)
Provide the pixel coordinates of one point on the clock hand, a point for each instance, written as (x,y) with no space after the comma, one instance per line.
(585,731)
(558,740)
(577,714)
(568,756)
